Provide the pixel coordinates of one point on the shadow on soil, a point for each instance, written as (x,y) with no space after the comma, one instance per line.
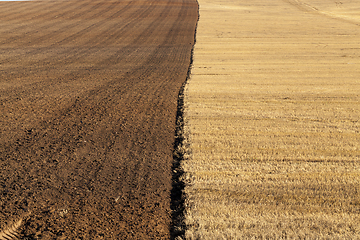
(181,147)
(177,192)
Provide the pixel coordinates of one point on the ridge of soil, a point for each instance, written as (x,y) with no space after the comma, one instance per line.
(88,102)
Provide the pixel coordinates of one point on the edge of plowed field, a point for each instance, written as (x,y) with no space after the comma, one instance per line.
(181,152)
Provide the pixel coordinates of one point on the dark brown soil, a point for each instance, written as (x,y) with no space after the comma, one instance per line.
(88,99)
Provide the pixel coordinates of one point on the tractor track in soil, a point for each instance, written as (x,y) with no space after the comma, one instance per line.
(88,104)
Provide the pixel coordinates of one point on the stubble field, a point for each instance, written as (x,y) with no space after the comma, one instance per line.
(88,101)
(272,114)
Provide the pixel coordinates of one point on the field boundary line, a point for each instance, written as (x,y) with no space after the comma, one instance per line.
(182,151)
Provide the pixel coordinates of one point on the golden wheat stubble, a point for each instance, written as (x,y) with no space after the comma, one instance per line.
(273,109)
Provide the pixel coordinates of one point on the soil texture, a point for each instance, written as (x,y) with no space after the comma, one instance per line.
(88,100)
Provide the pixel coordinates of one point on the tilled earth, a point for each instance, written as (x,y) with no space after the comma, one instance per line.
(88,100)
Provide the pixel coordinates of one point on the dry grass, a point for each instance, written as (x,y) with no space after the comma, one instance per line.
(11,232)
(272,112)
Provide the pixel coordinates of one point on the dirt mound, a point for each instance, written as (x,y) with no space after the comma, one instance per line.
(88,98)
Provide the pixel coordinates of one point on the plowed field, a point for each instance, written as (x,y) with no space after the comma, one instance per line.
(88,99)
